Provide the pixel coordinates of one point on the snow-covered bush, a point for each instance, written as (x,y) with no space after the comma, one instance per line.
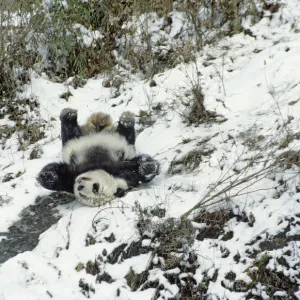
(75,37)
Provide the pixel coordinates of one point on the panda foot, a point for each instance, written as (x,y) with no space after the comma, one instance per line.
(68,114)
(127,119)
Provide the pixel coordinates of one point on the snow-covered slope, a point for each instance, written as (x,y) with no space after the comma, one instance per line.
(253,249)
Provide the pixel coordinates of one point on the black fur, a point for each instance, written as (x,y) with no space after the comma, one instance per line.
(57,177)
(61,176)
(69,126)
(126,127)
(127,132)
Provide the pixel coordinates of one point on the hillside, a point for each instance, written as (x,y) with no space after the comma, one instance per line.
(222,219)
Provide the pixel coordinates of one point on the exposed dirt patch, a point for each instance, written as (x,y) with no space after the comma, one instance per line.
(114,256)
(36,152)
(8,177)
(214,224)
(77,81)
(66,95)
(251,139)
(198,113)
(90,240)
(86,289)
(169,242)
(190,161)
(254,142)
(134,280)
(158,212)
(272,281)
(288,158)
(111,238)
(24,234)
(92,267)
(125,251)
(281,239)
(104,277)
(29,130)
(79,267)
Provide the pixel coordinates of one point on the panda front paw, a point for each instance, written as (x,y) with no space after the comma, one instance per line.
(127,119)
(148,167)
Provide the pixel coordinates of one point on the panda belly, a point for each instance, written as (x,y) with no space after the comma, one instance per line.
(99,154)
(97,147)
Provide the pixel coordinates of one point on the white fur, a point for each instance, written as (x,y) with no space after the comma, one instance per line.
(108,187)
(109,140)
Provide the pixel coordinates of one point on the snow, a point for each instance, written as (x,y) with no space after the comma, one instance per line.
(257,88)
(88,37)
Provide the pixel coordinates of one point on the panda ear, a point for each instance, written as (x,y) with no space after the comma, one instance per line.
(120,193)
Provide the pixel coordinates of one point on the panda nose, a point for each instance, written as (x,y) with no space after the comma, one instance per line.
(80,187)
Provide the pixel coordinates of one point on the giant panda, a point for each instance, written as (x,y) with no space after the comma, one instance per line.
(99,160)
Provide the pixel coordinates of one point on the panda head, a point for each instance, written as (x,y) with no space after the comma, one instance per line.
(96,188)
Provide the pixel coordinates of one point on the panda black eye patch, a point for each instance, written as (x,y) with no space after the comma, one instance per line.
(95,188)
(80,187)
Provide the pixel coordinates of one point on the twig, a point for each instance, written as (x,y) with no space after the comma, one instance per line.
(50,295)
(68,231)
(207,201)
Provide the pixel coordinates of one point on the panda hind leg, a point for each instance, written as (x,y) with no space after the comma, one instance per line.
(56,177)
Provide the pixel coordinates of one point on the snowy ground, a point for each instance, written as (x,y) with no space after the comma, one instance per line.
(252,82)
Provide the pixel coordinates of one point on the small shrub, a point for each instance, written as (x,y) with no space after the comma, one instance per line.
(104,277)
(86,288)
(134,280)
(68,38)
(79,267)
(92,268)
(198,113)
